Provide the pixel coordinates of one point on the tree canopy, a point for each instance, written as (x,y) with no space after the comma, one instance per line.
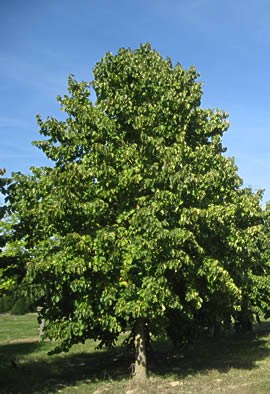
(141,220)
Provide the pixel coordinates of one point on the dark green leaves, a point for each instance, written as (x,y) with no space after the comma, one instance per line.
(141,215)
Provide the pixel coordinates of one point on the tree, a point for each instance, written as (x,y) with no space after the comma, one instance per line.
(121,232)
(3,181)
(258,283)
(13,290)
(7,259)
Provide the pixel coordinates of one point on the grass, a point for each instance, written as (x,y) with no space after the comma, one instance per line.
(229,364)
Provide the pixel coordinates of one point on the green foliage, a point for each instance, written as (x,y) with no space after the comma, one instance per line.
(6,303)
(11,269)
(141,216)
(259,276)
(22,306)
(16,305)
(12,265)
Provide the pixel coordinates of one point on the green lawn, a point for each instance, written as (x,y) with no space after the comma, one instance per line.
(226,365)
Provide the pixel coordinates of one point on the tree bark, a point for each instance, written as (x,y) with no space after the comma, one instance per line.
(41,327)
(245,316)
(140,370)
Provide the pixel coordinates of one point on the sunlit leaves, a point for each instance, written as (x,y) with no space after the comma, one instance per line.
(141,214)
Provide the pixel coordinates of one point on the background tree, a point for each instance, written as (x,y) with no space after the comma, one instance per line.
(122,231)
(7,261)
(15,295)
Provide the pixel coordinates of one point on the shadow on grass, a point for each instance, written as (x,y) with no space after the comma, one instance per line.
(45,374)
(220,354)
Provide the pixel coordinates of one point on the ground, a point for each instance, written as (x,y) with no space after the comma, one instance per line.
(229,364)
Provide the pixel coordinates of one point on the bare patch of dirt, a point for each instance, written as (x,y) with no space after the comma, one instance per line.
(25,340)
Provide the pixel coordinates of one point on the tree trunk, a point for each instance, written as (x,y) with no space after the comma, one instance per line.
(41,327)
(41,323)
(140,371)
(245,316)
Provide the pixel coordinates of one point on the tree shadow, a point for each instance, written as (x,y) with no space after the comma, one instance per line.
(49,374)
(196,360)
(221,354)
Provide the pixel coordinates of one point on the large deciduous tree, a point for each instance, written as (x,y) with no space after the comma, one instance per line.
(126,229)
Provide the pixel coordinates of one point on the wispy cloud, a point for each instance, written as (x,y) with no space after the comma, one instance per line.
(33,72)
(6,122)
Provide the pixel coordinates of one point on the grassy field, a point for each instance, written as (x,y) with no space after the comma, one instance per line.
(229,364)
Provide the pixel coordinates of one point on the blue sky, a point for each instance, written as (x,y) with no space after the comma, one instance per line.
(41,43)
